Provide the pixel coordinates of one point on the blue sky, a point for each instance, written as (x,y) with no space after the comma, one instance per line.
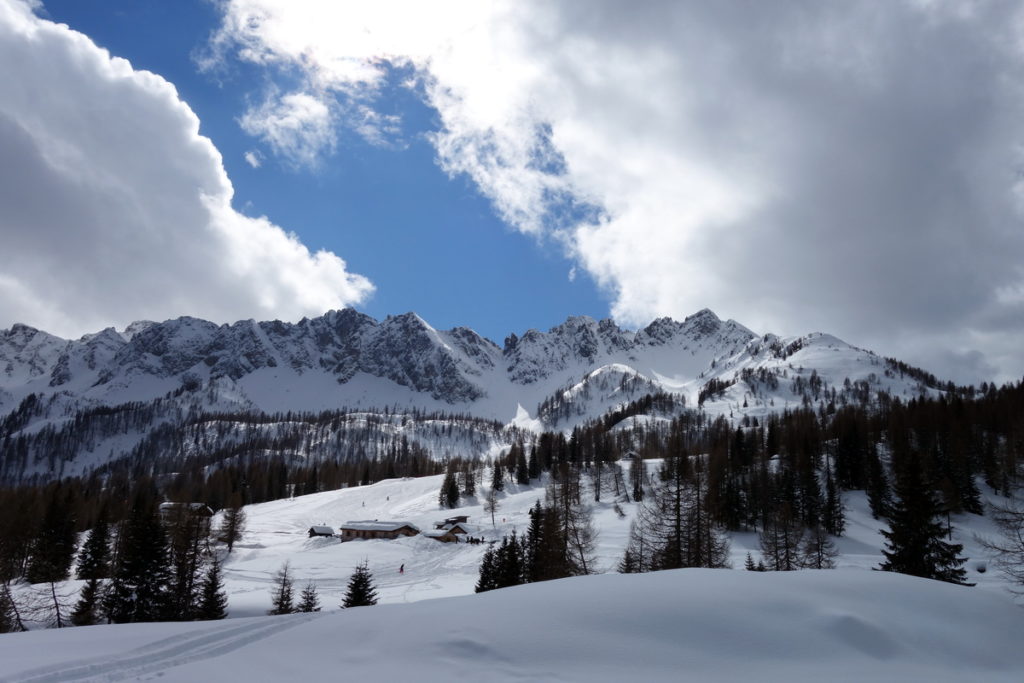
(850,168)
(430,243)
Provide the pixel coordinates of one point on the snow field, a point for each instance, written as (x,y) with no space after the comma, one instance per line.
(850,624)
(690,624)
(276,532)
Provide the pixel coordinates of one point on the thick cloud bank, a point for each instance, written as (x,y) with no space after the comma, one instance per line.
(115,208)
(853,167)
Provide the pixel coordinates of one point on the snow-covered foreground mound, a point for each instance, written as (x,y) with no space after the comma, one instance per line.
(846,625)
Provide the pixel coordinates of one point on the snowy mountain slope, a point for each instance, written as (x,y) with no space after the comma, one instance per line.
(847,624)
(345,360)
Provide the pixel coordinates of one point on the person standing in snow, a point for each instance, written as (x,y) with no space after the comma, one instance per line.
(401,570)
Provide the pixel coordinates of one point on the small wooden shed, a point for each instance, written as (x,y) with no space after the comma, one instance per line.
(442,535)
(449,522)
(319,530)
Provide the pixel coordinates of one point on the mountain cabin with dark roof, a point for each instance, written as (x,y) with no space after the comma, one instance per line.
(442,535)
(449,522)
(372,528)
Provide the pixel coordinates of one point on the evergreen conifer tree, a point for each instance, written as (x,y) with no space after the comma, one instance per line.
(538,549)
(749,564)
(213,601)
(833,517)
(449,497)
(233,522)
(86,612)
(533,463)
(282,601)
(53,548)
(309,599)
(6,615)
(468,480)
(139,587)
(509,563)
(360,592)
(189,533)
(628,564)
(94,558)
(879,495)
(638,478)
(486,581)
(522,467)
(498,476)
(914,540)
(10,615)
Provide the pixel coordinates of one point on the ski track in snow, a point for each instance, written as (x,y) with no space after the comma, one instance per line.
(165,653)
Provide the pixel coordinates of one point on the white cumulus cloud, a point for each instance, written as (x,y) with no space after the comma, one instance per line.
(253,158)
(115,208)
(852,167)
(296,126)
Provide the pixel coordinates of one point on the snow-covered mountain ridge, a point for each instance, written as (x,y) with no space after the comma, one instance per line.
(347,359)
(80,403)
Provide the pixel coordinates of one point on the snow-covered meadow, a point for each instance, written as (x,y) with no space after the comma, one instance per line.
(848,624)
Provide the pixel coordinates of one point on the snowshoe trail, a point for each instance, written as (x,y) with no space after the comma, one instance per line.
(163,654)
